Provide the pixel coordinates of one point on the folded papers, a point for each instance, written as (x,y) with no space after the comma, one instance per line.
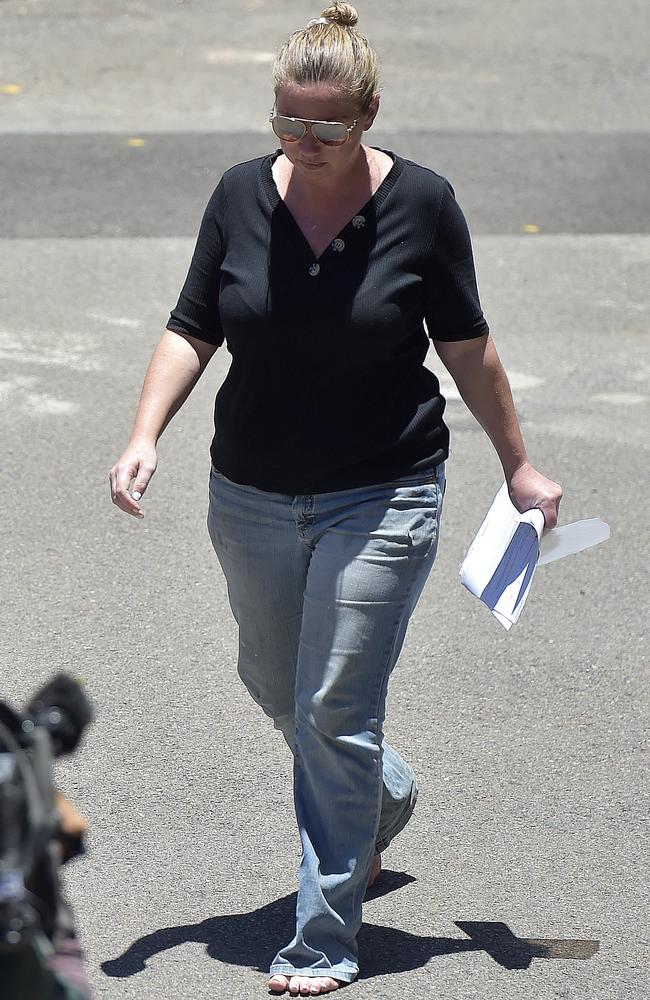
(501,562)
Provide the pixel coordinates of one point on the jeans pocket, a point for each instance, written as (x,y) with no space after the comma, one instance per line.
(423,529)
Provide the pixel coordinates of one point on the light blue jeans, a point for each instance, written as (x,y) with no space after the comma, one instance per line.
(322,587)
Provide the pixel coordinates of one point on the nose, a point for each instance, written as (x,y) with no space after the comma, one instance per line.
(308,144)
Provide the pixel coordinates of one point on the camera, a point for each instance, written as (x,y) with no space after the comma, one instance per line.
(40,830)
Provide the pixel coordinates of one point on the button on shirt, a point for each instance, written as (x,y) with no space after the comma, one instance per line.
(327,389)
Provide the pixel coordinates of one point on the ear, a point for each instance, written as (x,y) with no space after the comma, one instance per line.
(371,113)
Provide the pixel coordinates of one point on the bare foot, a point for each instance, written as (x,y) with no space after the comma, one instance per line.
(303,985)
(314,986)
(374,869)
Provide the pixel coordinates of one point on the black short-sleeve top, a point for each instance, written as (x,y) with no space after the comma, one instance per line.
(327,389)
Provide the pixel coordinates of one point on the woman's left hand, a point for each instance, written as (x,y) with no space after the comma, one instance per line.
(529,488)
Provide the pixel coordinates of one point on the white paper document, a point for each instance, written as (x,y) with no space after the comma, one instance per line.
(501,562)
(572,538)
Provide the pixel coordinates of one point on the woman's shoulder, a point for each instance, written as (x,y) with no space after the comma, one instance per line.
(421,184)
(238,181)
(247,169)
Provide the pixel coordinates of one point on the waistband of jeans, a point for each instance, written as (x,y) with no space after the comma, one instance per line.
(412,479)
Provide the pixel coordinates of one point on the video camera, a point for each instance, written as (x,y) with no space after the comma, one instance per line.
(39,831)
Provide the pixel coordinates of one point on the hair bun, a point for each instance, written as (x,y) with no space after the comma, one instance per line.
(341,13)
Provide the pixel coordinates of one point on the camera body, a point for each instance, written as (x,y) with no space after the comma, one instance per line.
(37,937)
(28,827)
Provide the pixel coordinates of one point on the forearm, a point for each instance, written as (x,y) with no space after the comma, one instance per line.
(175,368)
(476,369)
(484,387)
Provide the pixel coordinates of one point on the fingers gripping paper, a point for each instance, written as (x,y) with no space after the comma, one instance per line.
(501,561)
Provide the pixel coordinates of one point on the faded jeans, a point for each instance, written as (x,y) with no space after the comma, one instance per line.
(322,587)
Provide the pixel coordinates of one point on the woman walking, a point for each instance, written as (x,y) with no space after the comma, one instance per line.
(318,265)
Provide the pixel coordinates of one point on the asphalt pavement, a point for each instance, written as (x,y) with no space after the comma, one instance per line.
(523,873)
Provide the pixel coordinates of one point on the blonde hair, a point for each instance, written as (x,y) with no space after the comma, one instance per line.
(333,52)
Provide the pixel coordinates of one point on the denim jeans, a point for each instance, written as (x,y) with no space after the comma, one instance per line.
(322,587)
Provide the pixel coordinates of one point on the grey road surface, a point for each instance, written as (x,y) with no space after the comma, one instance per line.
(523,874)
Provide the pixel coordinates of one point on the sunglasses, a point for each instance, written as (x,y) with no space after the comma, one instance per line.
(293,129)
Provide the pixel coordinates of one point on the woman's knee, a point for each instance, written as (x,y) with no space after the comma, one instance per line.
(272,690)
(334,718)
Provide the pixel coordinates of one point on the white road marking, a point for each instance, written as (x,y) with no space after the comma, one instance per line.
(36,402)
(520,381)
(66,359)
(17,382)
(231,57)
(621,398)
(123,321)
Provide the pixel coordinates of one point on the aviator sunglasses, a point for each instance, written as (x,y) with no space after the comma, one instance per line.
(293,129)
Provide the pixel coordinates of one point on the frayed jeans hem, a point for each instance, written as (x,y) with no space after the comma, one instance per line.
(288,970)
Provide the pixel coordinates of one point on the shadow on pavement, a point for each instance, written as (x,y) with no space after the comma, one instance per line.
(385,950)
(251,939)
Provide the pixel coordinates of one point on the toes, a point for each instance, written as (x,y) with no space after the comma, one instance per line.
(302,985)
(310,986)
(325,985)
(331,984)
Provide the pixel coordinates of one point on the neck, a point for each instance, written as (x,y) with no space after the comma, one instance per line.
(357,177)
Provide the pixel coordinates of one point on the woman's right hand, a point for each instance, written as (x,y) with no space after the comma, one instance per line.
(131,474)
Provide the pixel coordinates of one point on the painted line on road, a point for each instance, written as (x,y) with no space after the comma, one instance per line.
(123,321)
(62,358)
(41,403)
(30,401)
(621,398)
(233,57)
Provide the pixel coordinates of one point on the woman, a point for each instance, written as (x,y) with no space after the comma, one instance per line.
(318,265)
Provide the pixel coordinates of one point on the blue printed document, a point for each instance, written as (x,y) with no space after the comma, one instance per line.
(501,562)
